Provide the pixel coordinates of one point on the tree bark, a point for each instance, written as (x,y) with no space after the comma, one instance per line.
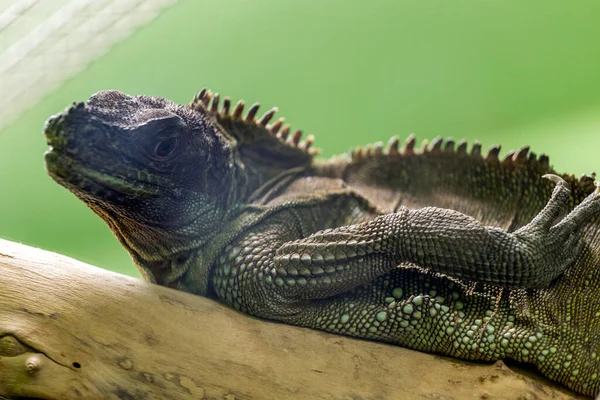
(71,331)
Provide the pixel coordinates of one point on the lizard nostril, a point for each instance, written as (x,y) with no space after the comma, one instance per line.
(53,126)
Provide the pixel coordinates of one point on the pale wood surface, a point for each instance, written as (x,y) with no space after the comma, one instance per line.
(71,331)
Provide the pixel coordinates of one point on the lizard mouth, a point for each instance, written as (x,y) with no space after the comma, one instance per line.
(92,181)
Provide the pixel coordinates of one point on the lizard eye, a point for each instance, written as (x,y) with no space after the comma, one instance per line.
(165,147)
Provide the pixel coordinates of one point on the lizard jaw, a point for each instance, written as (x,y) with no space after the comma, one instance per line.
(91,182)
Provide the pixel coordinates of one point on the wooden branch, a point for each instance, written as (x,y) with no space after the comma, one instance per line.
(70,331)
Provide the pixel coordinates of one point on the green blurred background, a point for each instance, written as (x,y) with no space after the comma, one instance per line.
(511,72)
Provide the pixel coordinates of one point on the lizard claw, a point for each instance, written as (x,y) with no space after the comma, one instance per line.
(554,178)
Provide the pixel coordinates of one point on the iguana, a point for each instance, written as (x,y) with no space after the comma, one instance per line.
(439,249)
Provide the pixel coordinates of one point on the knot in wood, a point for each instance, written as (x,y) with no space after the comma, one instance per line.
(126,364)
(33,364)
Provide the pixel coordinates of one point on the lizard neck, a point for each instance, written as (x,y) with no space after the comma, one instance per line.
(253,173)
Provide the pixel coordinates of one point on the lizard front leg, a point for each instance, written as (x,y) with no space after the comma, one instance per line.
(335,260)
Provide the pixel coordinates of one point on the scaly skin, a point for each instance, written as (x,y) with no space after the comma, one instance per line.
(437,250)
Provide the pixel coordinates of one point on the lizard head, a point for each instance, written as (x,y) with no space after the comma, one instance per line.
(164,176)
(158,173)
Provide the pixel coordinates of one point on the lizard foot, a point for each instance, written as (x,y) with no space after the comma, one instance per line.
(552,241)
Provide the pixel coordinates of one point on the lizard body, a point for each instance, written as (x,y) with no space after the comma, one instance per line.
(438,249)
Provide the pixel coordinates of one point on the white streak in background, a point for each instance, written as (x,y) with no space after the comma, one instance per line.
(66,35)
(14,12)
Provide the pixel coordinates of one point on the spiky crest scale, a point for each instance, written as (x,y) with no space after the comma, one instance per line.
(438,145)
(259,128)
(251,128)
